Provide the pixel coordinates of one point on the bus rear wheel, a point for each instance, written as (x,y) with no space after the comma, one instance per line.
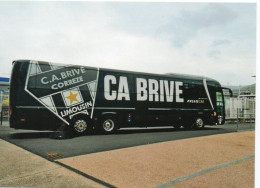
(80,125)
(199,124)
(109,124)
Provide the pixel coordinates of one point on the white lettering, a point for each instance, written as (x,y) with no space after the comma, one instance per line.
(123,91)
(83,70)
(63,75)
(67,83)
(153,90)
(169,93)
(44,82)
(76,109)
(69,73)
(54,77)
(72,72)
(77,71)
(54,86)
(156,90)
(109,95)
(141,89)
(161,91)
(178,91)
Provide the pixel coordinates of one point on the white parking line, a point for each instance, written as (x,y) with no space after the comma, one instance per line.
(172,182)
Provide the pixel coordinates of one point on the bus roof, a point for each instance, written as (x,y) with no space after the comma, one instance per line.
(166,75)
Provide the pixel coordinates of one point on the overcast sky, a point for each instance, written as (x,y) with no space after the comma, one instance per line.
(216,40)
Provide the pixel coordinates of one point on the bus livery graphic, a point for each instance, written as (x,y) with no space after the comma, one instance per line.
(66,90)
(43,96)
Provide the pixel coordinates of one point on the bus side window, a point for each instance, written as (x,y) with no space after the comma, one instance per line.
(23,72)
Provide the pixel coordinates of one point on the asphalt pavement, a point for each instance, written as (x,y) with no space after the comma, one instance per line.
(158,157)
(41,143)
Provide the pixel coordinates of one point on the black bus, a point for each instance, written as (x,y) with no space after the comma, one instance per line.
(44,96)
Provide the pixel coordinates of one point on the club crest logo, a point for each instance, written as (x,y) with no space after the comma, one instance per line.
(72,97)
(63,89)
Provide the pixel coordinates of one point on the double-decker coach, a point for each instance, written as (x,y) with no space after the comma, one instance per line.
(44,95)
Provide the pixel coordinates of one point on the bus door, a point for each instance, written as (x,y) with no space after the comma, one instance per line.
(220,107)
(142,115)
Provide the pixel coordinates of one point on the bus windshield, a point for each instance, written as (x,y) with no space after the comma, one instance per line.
(220,103)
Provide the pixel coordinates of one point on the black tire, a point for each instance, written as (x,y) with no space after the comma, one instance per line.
(80,125)
(199,123)
(108,124)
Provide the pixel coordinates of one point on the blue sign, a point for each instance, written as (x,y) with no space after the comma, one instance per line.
(6,80)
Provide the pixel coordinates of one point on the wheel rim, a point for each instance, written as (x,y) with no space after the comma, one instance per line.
(199,123)
(108,125)
(80,126)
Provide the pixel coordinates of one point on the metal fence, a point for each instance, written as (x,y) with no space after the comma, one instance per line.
(240,109)
(3,114)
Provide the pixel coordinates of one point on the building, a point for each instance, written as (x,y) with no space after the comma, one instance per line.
(4,84)
(4,96)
